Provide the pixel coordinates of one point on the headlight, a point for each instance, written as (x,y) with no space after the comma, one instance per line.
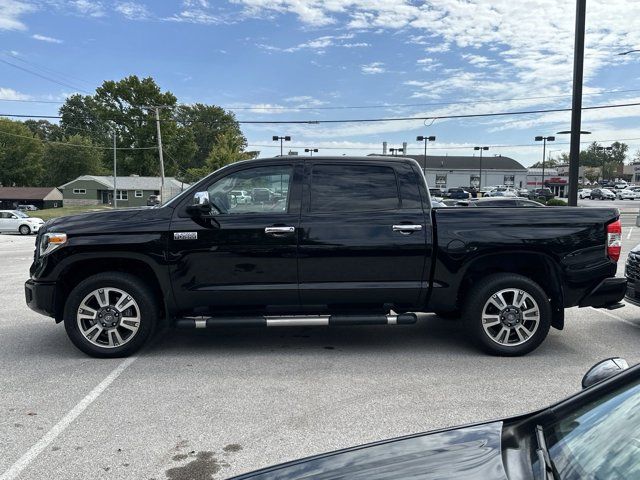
(52,241)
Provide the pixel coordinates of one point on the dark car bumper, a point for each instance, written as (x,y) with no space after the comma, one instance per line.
(608,293)
(40,297)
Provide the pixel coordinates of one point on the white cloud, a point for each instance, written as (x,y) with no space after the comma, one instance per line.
(133,10)
(373,68)
(11,94)
(11,12)
(319,44)
(44,38)
(197,16)
(90,8)
(305,101)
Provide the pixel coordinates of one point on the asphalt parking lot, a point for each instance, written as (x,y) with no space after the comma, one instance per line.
(200,405)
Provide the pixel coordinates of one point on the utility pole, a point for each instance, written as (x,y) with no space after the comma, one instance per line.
(576,104)
(156,109)
(115,189)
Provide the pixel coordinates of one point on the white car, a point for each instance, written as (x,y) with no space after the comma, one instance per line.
(584,193)
(627,194)
(17,221)
(504,193)
(241,196)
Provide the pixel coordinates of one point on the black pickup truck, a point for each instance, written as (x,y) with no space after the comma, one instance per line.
(337,241)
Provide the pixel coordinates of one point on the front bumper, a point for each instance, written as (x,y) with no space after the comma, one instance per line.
(608,293)
(40,297)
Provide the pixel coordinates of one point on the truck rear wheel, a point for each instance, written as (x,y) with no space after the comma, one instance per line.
(110,315)
(508,315)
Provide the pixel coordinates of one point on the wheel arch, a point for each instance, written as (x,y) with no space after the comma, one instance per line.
(73,273)
(537,266)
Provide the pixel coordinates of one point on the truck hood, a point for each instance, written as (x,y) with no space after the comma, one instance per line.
(464,453)
(122,219)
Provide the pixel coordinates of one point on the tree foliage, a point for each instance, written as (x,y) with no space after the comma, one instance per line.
(20,155)
(196,138)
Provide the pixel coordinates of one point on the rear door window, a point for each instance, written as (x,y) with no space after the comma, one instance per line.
(353,188)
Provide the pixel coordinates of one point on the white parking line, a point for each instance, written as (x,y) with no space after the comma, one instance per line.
(23,462)
(612,315)
(629,234)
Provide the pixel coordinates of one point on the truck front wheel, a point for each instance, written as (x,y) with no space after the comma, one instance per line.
(507,314)
(110,315)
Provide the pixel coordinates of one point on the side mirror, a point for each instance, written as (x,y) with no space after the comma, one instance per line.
(603,370)
(201,204)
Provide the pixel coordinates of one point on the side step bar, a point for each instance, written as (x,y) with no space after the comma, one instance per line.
(296,320)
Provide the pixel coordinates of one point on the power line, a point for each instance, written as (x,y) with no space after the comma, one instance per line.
(452,147)
(63,75)
(377,106)
(45,77)
(69,144)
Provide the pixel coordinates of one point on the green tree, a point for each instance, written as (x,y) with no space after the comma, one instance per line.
(20,155)
(45,130)
(77,156)
(207,122)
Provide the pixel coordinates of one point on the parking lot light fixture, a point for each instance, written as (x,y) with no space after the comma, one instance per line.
(544,141)
(310,151)
(395,151)
(480,179)
(604,150)
(421,138)
(286,138)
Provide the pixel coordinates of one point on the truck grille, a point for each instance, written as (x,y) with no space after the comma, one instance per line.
(632,269)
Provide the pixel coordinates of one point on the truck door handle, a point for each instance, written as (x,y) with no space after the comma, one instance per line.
(279,230)
(406,229)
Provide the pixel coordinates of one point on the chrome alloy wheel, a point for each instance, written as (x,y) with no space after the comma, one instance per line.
(510,317)
(108,317)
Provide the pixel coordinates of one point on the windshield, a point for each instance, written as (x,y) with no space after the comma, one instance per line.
(20,214)
(601,440)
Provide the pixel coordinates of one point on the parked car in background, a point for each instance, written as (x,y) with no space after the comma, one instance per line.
(436,204)
(502,193)
(457,193)
(522,192)
(621,185)
(17,221)
(153,200)
(240,196)
(27,208)
(602,194)
(436,193)
(498,202)
(545,193)
(627,194)
(584,193)
(590,435)
(260,195)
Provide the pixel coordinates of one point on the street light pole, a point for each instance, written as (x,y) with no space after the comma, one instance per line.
(310,151)
(286,138)
(576,104)
(480,179)
(115,188)
(544,141)
(421,138)
(604,151)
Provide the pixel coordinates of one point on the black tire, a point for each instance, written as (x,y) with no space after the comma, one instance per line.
(24,230)
(481,295)
(144,300)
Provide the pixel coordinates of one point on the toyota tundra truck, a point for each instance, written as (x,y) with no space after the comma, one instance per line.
(337,241)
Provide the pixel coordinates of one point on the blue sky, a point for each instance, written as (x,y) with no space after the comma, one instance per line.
(308,59)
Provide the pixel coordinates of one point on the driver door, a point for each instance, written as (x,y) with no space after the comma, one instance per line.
(244,256)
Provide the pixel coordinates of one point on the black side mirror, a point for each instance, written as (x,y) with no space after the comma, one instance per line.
(201,204)
(603,370)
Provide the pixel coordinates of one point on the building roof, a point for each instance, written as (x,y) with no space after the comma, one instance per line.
(438,162)
(130,183)
(25,193)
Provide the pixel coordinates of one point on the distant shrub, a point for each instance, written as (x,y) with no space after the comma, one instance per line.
(556,202)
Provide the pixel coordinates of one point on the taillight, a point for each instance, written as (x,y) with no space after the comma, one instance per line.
(614,240)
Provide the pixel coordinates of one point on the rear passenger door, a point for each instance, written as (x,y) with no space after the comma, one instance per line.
(364,240)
